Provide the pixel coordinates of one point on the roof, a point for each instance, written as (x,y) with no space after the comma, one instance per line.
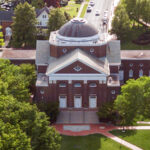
(113,52)
(39,11)
(135,54)
(78,27)
(19,54)
(77,55)
(6,15)
(42,52)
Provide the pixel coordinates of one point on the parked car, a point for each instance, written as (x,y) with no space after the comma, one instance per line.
(91,3)
(89,9)
(97,13)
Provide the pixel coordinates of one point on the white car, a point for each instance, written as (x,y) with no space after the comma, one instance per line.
(89,9)
(91,3)
(106,13)
(97,13)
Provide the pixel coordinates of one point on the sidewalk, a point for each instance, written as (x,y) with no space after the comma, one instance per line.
(101,129)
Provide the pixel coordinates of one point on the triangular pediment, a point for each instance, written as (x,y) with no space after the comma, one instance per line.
(77,62)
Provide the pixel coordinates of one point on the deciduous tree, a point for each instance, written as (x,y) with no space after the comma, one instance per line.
(24,26)
(1,37)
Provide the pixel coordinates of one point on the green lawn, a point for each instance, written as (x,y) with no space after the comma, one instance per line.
(71,8)
(83,10)
(90,142)
(140,138)
(132,46)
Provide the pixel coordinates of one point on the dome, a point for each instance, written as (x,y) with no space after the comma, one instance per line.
(77,28)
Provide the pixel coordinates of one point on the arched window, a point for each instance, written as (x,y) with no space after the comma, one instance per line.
(130,73)
(92,85)
(77,85)
(113,92)
(62,85)
(140,73)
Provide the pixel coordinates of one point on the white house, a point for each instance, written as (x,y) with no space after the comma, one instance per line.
(42,17)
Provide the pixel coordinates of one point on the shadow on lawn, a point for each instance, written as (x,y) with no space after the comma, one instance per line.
(119,133)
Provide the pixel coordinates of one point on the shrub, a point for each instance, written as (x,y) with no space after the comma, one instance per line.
(50,108)
(107,113)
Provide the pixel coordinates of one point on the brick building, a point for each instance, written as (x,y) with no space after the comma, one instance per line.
(77,68)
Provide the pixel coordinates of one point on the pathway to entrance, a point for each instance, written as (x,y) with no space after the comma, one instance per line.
(77,117)
(82,130)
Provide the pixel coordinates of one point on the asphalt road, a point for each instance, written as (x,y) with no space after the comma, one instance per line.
(100,5)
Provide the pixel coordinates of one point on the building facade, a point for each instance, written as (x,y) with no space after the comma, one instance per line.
(77,68)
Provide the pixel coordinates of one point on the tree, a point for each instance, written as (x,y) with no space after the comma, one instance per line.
(120,23)
(54,3)
(1,37)
(16,80)
(33,123)
(24,26)
(56,20)
(12,137)
(134,100)
(37,3)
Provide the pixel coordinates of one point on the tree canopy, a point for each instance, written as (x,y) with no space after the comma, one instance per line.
(24,26)
(134,100)
(22,123)
(56,20)
(1,37)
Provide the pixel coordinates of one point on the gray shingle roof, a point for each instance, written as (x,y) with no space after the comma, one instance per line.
(42,52)
(39,11)
(6,15)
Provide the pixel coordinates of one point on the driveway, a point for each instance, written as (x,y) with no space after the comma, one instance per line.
(77,117)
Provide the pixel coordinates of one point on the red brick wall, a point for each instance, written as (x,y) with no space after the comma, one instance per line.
(85,69)
(41,69)
(136,67)
(99,51)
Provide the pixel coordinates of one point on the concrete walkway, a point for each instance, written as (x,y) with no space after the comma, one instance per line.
(101,129)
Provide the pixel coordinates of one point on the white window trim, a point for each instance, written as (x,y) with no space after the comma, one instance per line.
(77,85)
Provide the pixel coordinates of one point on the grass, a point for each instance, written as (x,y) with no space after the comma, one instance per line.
(131,46)
(71,8)
(90,142)
(140,138)
(84,10)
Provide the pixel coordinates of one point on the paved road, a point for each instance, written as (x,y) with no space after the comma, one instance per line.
(101,5)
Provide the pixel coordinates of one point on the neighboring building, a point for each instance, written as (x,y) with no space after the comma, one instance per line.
(6,20)
(42,17)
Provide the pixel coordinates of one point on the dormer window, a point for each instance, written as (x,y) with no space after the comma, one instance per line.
(77,85)
(92,85)
(44,16)
(62,85)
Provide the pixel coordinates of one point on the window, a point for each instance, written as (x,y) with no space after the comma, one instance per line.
(62,85)
(44,16)
(77,68)
(92,50)
(64,50)
(77,85)
(130,73)
(141,65)
(130,65)
(92,85)
(113,92)
(42,91)
(40,23)
(140,73)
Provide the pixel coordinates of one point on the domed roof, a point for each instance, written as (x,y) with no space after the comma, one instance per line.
(77,27)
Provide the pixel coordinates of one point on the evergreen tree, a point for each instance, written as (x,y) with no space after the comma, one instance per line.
(1,37)
(24,26)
